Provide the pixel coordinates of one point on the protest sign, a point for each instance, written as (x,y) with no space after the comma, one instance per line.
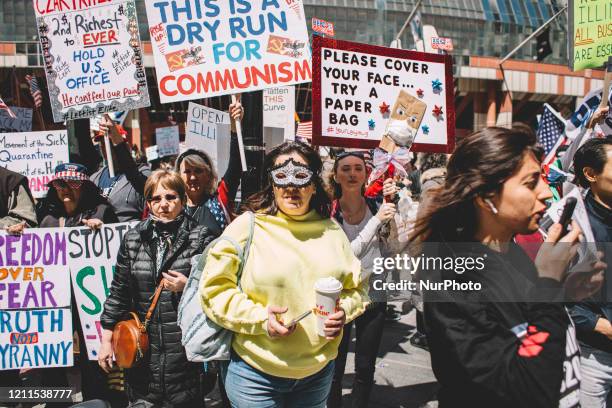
(33,270)
(279,110)
(323,27)
(227,47)
(152,153)
(358,88)
(440,43)
(589,33)
(167,141)
(93,58)
(21,123)
(208,130)
(36,338)
(92,255)
(34,155)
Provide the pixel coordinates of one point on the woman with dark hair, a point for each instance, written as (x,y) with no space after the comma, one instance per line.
(295,243)
(361,220)
(73,200)
(492,344)
(593,316)
(210,201)
(157,251)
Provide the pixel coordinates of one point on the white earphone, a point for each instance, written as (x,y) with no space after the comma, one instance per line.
(491,205)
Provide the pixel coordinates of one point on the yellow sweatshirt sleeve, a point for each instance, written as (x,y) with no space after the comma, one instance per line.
(354,297)
(220,297)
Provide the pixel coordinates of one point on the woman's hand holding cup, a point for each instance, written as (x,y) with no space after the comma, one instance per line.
(334,324)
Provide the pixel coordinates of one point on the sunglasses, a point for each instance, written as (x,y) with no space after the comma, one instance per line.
(346,154)
(157,199)
(65,184)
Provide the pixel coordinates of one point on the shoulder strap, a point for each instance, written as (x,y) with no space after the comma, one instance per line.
(154,302)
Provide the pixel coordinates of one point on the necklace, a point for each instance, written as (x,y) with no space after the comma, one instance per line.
(356,216)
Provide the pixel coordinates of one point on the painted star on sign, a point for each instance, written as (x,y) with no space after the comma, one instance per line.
(436,85)
(437,111)
(420,92)
(371,123)
(384,108)
(425,129)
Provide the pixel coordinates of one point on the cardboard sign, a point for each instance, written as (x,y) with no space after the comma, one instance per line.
(362,92)
(589,33)
(167,141)
(439,43)
(208,130)
(22,122)
(323,27)
(36,338)
(279,110)
(92,256)
(152,153)
(93,58)
(34,155)
(212,48)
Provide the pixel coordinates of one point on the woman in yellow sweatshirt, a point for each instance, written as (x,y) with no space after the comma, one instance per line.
(295,243)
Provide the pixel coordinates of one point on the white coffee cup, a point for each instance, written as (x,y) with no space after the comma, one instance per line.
(327,300)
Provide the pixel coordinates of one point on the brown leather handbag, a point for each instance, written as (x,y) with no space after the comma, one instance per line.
(130,338)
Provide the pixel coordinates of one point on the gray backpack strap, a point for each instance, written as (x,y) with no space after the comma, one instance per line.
(247,246)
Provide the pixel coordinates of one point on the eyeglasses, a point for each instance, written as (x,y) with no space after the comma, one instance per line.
(157,199)
(65,184)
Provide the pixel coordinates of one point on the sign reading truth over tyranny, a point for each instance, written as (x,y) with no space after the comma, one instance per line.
(218,47)
(92,55)
(590,33)
(359,90)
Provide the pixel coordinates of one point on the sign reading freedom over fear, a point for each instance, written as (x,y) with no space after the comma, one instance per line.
(590,33)
(93,58)
(216,47)
(358,89)
(34,155)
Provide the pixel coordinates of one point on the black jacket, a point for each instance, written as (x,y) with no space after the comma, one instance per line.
(493,349)
(165,375)
(586,313)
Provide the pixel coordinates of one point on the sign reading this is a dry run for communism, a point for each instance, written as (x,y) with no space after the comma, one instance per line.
(219,47)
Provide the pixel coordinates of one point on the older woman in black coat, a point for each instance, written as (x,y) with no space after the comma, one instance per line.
(158,248)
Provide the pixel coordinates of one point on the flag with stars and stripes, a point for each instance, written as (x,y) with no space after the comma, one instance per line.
(551,129)
(4,107)
(35,90)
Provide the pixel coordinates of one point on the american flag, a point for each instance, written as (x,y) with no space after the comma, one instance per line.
(552,127)
(35,90)
(304,130)
(4,106)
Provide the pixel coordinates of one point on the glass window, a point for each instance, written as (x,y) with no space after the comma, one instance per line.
(544,9)
(518,13)
(533,15)
(487,10)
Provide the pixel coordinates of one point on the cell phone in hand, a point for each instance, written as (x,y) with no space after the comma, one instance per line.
(566,215)
(297,319)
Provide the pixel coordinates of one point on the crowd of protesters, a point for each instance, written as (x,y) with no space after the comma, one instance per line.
(496,348)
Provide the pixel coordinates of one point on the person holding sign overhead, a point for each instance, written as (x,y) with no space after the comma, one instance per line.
(208,202)
(157,251)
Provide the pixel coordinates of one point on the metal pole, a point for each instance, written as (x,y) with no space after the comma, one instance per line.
(536,32)
(243,161)
(408,20)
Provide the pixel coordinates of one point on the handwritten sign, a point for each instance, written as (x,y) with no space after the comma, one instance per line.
(92,256)
(167,141)
(279,110)
(36,338)
(323,27)
(208,130)
(152,153)
(590,33)
(21,123)
(359,90)
(441,43)
(211,48)
(93,59)
(34,155)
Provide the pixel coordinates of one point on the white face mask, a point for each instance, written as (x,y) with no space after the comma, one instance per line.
(291,174)
(401,133)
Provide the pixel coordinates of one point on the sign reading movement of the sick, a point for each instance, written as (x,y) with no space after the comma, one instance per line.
(360,90)
(35,316)
(590,33)
(92,256)
(219,47)
(92,55)
(34,155)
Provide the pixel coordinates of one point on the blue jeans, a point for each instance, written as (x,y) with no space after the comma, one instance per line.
(247,387)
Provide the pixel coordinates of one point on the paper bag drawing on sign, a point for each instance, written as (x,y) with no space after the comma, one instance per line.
(404,121)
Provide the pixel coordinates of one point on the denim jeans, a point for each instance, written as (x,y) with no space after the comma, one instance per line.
(247,387)
(596,373)
(369,327)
